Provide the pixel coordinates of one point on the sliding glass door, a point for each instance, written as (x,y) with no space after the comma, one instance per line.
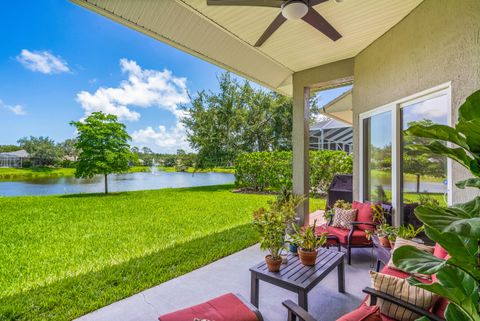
(391,170)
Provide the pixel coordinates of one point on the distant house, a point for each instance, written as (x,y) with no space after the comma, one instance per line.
(13,159)
(331,134)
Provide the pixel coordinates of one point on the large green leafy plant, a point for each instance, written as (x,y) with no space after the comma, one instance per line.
(457,228)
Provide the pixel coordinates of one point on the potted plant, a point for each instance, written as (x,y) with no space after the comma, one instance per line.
(286,203)
(271,224)
(385,233)
(308,243)
(408,232)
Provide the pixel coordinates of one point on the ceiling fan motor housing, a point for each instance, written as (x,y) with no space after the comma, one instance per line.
(294,9)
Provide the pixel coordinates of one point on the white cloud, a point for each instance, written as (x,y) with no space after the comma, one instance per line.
(42,61)
(16,109)
(431,109)
(142,88)
(163,139)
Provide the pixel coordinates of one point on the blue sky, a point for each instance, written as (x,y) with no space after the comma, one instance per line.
(59,62)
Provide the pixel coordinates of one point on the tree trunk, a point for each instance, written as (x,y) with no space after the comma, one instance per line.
(418,183)
(106,184)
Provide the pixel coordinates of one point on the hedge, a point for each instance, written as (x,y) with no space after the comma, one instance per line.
(273,170)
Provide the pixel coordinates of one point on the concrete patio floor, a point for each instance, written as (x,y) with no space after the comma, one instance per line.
(231,274)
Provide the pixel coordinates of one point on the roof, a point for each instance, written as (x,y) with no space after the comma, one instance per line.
(329,124)
(225,35)
(19,153)
(340,108)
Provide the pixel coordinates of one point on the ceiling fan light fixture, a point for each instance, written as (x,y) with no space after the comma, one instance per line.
(294,10)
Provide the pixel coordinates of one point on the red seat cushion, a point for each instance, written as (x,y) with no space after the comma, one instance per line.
(364,214)
(363,313)
(441,253)
(227,307)
(359,237)
(440,307)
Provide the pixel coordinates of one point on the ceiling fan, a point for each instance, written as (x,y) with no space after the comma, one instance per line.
(290,10)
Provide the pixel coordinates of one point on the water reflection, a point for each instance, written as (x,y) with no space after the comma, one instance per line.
(117,183)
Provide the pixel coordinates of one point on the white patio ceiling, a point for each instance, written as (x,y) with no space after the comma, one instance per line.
(225,35)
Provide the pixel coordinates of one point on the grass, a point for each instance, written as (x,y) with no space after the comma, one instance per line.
(47,172)
(379,174)
(63,256)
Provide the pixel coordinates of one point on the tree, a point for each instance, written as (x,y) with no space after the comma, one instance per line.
(42,149)
(9,148)
(237,119)
(103,145)
(68,148)
(420,162)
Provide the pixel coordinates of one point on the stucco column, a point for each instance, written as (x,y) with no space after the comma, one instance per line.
(300,141)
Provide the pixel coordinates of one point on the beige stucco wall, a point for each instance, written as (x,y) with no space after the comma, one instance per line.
(437,42)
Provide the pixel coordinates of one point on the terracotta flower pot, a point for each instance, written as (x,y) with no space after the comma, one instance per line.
(384,241)
(307,257)
(273,265)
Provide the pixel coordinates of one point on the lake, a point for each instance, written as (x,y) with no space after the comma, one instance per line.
(116,183)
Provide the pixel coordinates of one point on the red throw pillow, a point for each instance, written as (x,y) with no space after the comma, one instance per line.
(439,251)
(364,214)
(363,313)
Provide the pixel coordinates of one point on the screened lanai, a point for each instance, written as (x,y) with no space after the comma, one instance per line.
(13,159)
(331,134)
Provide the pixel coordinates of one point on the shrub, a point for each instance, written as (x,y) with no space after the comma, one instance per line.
(273,170)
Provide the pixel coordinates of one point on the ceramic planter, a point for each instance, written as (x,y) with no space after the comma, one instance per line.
(273,265)
(384,241)
(293,248)
(307,257)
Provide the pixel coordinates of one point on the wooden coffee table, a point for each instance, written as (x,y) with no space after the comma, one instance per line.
(296,277)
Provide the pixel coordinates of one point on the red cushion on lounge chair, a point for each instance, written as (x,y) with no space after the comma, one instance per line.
(363,313)
(227,307)
(359,237)
(440,307)
(364,214)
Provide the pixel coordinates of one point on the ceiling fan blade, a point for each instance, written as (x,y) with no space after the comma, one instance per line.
(312,3)
(314,19)
(248,3)
(279,20)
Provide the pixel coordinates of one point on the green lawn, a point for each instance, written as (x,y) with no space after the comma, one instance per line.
(379,174)
(44,172)
(63,256)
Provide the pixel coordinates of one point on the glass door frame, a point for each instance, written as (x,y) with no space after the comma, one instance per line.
(395,109)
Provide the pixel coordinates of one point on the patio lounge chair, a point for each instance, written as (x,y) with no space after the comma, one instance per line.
(435,312)
(356,237)
(228,307)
